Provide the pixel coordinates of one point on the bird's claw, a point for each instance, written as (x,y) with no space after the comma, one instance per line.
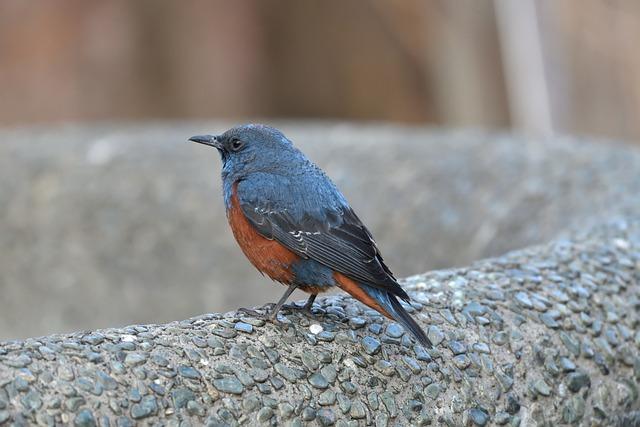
(267,315)
(306,309)
(253,313)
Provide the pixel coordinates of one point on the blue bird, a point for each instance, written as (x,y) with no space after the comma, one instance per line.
(296,227)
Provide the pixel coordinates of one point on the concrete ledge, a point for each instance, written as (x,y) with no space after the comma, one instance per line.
(547,335)
(109,224)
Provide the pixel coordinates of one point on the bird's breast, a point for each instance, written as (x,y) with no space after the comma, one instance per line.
(268,256)
(274,259)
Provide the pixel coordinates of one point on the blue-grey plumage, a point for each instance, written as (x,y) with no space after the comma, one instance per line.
(287,199)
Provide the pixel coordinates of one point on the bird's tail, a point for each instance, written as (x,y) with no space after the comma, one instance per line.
(386,303)
(399,314)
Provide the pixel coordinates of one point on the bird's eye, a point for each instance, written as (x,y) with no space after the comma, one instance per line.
(236,144)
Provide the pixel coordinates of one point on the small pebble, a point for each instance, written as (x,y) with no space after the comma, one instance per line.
(315,328)
(394,330)
(318,381)
(478,416)
(84,419)
(229,385)
(243,327)
(371,345)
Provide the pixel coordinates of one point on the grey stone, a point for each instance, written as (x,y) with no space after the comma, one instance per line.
(461,361)
(188,372)
(74,403)
(308,414)
(371,345)
(229,385)
(570,343)
(310,361)
(501,418)
(573,410)
(326,336)
(432,391)
(435,335)
(290,374)
(318,381)
(348,387)
(549,320)
(394,330)
(506,382)
(457,347)
(326,398)
(330,373)
(577,380)
(326,417)
(244,327)
(376,328)
(195,408)
(286,410)
(225,332)
(542,387)
(567,365)
(523,299)
(422,354)
(17,362)
(357,410)
(513,406)
(181,397)
(481,348)
(344,403)
(264,415)
(500,338)
(84,419)
(478,416)
(145,408)
(32,400)
(357,322)
(412,364)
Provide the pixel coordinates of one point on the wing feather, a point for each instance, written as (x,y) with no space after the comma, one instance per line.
(334,237)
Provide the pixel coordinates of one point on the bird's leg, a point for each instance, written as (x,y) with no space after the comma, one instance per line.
(309,303)
(271,314)
(279,304)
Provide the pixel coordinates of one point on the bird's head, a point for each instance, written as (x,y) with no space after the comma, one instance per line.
(251,148)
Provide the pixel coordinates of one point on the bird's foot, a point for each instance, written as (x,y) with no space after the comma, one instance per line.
(255,313)
(266,312)
(306,308)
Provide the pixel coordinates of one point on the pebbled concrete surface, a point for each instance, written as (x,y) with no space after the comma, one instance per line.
(547,335)
(111,224)
(542,336)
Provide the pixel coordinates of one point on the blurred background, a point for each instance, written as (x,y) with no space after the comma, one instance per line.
(569,66)
(105,220)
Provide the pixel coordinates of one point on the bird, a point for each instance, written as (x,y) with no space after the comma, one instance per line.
(296,227)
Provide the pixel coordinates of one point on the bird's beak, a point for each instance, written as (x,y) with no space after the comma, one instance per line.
(210,140)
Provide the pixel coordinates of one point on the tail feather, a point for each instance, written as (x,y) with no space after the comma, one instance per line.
(401,316)
(384,302)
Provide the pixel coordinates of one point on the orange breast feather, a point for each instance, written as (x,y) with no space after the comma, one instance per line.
(268,256)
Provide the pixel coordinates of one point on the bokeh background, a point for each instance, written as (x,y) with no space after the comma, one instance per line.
(105,221)
(569,66)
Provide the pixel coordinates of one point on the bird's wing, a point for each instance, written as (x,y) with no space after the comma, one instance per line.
(334,237)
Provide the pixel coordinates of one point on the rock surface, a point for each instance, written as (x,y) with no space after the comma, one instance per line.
(118,224)
(495,362)
(547,335)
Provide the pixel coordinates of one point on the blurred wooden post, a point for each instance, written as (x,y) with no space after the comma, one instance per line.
(524,66)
